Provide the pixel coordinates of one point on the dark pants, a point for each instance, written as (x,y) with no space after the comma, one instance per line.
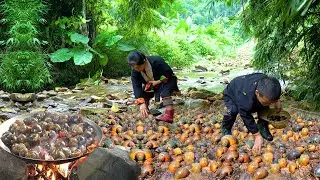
(165,90)
(231,114)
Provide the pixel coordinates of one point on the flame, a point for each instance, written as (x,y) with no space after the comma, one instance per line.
(63,169)
(53,171)
(49,173)
(53,176)
(92,147)
(40,167)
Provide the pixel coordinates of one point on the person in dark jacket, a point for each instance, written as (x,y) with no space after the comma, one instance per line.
(247,94)
(150,76)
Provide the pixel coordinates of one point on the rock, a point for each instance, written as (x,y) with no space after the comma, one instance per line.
(183,79)
(108,103)
(178,101)
(8,110)
(95,99)
(201,82)
(5,97)
(86,102)
(133,108)
(60,108)
(52,93)
(108,164)
(194,103)
(38,110)
(225,81)
(113,81)
(49,102)
(3,104)
(90,110)
(219,96)
(79,87)
(61,89)
(199,94)
(212,98)
(75,108)
(175,69)
(13,168)
(119,95)
(17,97)
(72,97)
(197,70)
(6,116)
(76,91)
(201,77)
(225,72)
(41,97)
(201,68)
(18,105)
(56,98)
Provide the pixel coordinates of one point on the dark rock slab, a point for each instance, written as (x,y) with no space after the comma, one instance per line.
(105,164)
(11,167)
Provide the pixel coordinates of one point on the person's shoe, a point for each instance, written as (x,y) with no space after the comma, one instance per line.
(166,117)
(225,131)
(264,131)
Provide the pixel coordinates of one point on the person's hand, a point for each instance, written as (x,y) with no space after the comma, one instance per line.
(155,83)
(144,110)
(257,144)
(278,106)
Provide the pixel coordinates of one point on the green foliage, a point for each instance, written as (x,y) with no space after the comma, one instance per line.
(24,71)
(288,42)
(23,66)
(118,63)
(167,47)
(139,16)
(205,45)
(81,53)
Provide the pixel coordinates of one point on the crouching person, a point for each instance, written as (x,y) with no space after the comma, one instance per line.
(152,76)
(248,94)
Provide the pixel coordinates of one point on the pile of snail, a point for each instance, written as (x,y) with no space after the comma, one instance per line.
(49,136)
(193,145)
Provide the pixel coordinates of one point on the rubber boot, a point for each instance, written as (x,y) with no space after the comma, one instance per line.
(264,130)
(166,117)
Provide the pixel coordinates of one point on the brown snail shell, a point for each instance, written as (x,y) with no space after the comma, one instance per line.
(66,151)
(33,155)
(36,128)
(57,154)
(73,142)
(181,173)
(22,138)
(226,170)
(260,173)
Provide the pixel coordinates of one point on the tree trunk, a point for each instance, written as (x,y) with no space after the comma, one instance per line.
(84,27)
(92,23)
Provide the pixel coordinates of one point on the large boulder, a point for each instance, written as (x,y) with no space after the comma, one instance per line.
(108,164)
(11,167)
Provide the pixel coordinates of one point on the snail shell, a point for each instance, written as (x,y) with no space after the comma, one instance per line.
(57,154)
(22,138)
(33,155)
(82,140)
(36,128)
(30,121)
(34,139)
(66,151)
